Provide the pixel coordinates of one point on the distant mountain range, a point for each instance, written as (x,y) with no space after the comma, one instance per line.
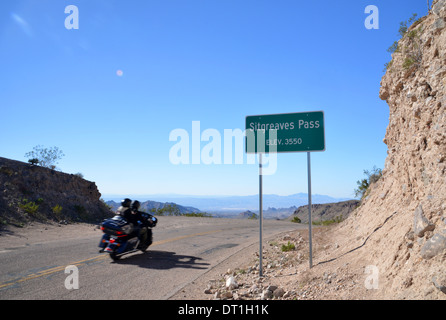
(275,206)
(147,206)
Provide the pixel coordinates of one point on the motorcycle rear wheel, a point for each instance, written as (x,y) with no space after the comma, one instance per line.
(114,256)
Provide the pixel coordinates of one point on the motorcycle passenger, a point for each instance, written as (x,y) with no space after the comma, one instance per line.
(125,206)
(126,211)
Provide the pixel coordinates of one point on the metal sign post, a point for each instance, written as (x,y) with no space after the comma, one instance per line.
(309,209)
(260,216)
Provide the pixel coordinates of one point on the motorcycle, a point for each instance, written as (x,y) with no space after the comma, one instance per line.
(121,238)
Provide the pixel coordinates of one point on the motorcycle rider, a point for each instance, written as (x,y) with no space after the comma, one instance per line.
(145,221)
(130,211)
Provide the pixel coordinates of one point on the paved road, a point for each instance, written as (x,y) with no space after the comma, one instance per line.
(183,250)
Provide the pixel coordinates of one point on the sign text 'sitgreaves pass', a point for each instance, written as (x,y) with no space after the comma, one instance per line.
(290,132)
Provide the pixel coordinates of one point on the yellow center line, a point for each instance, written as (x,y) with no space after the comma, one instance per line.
(93,259)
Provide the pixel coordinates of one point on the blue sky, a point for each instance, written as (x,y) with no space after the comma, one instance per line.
(109,93)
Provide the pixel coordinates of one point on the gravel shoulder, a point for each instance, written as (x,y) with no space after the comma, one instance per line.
(287,274)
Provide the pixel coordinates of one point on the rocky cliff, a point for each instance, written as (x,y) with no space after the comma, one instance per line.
(325,212)
(401,226)
(248,215)
(29,192)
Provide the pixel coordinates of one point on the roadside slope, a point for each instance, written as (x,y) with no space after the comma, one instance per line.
(401,224)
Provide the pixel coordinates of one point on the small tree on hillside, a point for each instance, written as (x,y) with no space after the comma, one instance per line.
(45,157)
(364,184)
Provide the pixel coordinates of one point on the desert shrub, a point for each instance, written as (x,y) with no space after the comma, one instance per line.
(288,247)
(57,210)
(412,52)
(33,161)
(296,220)
(29,207)
(337,219)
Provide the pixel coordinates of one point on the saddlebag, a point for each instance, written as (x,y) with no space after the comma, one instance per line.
(117,226)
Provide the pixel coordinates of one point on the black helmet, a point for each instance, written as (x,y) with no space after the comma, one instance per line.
(135,205)
(126,203)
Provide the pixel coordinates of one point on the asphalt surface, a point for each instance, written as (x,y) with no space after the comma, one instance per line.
(184,249)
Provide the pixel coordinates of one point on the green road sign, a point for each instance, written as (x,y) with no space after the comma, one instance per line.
(289,132)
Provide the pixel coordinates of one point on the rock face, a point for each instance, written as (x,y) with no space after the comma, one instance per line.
(30,192)
(416,95)
(404,215)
